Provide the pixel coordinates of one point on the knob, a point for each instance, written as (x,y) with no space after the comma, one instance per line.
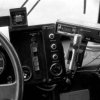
(56,69)
(51,36)
(55,56)
(26,73)
(34,49)
(53,46)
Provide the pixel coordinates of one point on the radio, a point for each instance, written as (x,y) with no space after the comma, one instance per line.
(89,34)
(41,53)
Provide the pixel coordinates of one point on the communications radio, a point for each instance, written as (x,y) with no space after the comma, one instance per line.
(85,33)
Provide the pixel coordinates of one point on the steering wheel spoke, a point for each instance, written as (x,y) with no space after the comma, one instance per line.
(7,91)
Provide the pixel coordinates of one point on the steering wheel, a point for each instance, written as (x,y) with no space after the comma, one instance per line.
(14,90)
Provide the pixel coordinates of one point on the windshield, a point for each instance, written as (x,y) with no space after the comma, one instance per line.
(48,11)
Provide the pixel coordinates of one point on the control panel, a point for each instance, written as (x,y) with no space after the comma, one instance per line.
(54,54)
(41,53)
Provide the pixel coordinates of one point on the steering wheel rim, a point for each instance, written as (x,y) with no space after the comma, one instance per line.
(17,86)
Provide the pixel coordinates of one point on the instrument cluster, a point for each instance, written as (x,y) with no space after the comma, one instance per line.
(6,67)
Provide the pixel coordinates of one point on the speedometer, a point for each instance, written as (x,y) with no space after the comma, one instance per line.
(2,63)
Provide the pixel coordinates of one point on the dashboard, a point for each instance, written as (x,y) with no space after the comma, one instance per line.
(45,52)
(51,55)
(46,55)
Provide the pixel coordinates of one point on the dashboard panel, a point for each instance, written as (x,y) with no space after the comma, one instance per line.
(40,50)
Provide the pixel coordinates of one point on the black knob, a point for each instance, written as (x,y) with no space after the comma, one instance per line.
(56,69)
(53,46)
(55,56)
(51,36)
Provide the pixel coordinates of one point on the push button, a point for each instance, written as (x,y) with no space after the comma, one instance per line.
(51,36)
(53,46)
